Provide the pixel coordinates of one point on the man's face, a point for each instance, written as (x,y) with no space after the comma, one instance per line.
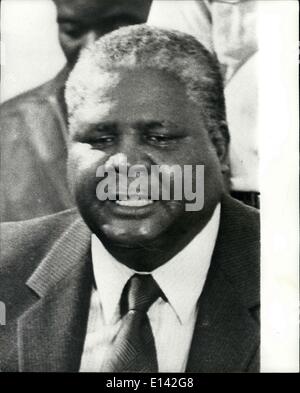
(82,21)
(146,117)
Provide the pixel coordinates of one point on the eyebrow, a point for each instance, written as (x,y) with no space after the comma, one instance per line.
(148,125)
(121,17)
(66,19)
(143,125)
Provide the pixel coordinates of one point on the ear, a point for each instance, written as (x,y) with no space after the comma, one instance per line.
(221,147)
(221,138)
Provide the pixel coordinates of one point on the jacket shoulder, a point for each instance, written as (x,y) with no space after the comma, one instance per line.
(20,113)
(14,104)
(28,241)
(245,218)
(14,108)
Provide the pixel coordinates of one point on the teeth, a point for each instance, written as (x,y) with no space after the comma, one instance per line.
(134,203)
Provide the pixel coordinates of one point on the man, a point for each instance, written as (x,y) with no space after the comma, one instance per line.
(135,283)
(33,127)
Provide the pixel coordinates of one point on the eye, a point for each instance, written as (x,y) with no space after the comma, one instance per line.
(101,141)
(161,140)
(73,30)
(105,139)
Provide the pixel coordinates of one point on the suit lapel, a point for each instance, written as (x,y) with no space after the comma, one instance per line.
(226,336)
(51,333)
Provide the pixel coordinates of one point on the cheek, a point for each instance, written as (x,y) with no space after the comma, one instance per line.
(83,162)
(203,151)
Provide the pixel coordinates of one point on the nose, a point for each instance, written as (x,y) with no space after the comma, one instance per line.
(132,148)
(90,38)
(129,151)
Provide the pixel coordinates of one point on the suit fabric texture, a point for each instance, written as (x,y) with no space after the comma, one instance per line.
(33,132)
(46,281)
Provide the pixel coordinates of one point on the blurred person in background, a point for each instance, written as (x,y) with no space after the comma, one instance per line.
(227,28)
(33,125)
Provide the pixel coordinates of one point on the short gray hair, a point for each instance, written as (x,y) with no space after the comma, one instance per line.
(144,47)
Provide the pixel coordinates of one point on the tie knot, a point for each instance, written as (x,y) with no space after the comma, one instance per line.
(141,292)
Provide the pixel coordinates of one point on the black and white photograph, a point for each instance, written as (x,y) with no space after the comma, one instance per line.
(149,195)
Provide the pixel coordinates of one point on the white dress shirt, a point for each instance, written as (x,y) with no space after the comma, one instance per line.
(181,279)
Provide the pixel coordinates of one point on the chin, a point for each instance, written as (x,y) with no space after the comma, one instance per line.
(129,227)
(131,234)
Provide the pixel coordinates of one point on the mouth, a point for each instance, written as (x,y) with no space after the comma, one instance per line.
(134,203)
(132,200)
(133,206)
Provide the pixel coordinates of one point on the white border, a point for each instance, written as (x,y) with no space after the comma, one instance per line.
(279,180)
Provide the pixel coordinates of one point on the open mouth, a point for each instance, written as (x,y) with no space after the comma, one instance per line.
(134,202)
(136,205)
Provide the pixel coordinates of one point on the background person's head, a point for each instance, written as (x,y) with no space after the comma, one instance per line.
(82,21)
(156,97)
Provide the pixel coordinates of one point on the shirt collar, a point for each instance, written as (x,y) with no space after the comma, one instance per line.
(181,278)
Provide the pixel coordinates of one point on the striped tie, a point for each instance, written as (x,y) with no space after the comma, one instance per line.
(134,347)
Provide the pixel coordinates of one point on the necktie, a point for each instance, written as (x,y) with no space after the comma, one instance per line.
(134,347)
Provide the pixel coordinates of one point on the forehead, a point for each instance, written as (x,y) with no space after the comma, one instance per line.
(102,8)
(148,86)
(130,96)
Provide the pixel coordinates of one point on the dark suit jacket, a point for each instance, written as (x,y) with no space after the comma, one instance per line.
(33,153)
(46,280)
